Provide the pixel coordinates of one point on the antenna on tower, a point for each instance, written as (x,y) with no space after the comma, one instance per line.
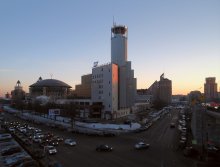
(114,21)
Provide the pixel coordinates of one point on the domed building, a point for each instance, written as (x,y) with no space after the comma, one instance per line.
(49,87)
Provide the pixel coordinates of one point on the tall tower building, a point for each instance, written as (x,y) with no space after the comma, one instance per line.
(113,84)
(127,82)
(210,89)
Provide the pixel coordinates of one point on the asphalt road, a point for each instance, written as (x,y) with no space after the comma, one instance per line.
(163,151)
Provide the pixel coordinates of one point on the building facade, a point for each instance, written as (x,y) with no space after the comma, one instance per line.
(161,90)
(105,88)
(210,89)
(165,90)
(83,90)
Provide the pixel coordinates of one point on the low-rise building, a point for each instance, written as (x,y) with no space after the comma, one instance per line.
(52,88)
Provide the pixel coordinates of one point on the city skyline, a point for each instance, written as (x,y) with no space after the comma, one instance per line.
(62,40)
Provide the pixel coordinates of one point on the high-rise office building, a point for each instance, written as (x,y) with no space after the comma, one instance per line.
(114,84)
(210,89)
(165,89)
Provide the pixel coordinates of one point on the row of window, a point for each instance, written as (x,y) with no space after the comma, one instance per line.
(97,76)
(100,81)
(97,81)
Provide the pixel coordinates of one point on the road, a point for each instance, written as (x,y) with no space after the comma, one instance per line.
(163,151)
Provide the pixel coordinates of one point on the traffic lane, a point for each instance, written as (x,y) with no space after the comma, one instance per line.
(166,144)
(124,151)
(121,156)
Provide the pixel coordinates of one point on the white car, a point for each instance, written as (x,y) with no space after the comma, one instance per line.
(50,149)
(11,129)
(141,145)
(70,142)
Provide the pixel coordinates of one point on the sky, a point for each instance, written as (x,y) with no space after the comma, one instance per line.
(61,39)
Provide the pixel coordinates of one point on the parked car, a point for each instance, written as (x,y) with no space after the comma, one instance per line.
(212,148)
(141,145)
(5,136)
(7,144)
(20,161)
(70,142)
(11,150)
(104,147)
(14,158)
(11,129)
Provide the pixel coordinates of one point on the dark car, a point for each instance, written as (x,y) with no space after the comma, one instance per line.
(104,147)
(11,150)
(43,144)
(47,139)
(58,138)
(212,149)
(48,135)
(54,143)
(141,145)
(172,125)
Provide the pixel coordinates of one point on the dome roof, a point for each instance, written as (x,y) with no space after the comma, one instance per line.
(50,83)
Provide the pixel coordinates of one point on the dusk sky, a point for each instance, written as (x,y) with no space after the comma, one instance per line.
(62,39)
